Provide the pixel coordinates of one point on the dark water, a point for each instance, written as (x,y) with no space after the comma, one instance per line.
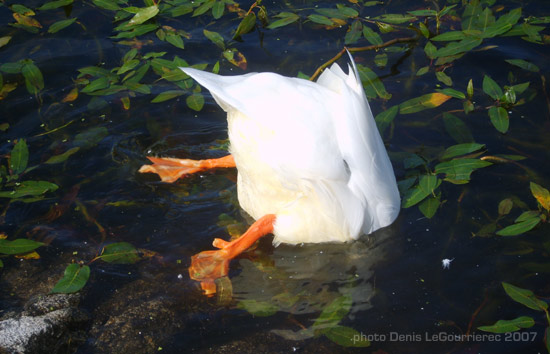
(402,297)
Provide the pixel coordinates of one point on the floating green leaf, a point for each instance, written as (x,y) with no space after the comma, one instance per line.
(423,102)
(458,171)
(55,4)
(59,25)
(215,38)
(505,326)
(119,253)
(425,187)
(19,157)
(371,36)
(29,188)
(453,93)
(106,4)
(258,308)
(491,88)
(97,84)
(320,19)
(461,149)
(167,95)
(519,227)
(423,70)
(285,18)
(462,46)
(524,297)
(429,206)
(74,279)
(175,39)
(18,246)
(449,36)
(523,64)
(395,18)
(143,15)
(499,118)
(218,9)
(247,24)
(207,5)
(195,101)
(444,78)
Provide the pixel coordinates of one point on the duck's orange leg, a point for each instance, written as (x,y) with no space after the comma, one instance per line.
(171,169)
(208,266)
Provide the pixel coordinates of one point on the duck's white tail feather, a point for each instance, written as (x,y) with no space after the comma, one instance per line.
(372,177)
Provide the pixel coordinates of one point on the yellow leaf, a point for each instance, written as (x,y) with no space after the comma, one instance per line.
(26,20)
(438,99)
(3,236)
(7,88)
(30,255)
(71,96)
(541,194)
(125,102)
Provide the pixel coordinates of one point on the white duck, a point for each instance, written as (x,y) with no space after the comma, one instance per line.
(311,164)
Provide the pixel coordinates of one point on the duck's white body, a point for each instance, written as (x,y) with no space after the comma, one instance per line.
(310,153)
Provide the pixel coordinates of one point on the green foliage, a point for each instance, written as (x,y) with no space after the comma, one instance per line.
(74,279)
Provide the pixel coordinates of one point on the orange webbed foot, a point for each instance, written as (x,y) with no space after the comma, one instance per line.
(171,169)
(207,266)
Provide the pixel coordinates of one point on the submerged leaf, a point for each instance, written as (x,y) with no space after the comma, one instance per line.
(346,337)
(74,279)
(457,129)
(33,77)
(333,313)
(258,308)
(384,118)
(61,157)
(373,85)
(19,157)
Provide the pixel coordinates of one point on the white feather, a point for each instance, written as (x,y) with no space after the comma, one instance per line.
(308,152)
